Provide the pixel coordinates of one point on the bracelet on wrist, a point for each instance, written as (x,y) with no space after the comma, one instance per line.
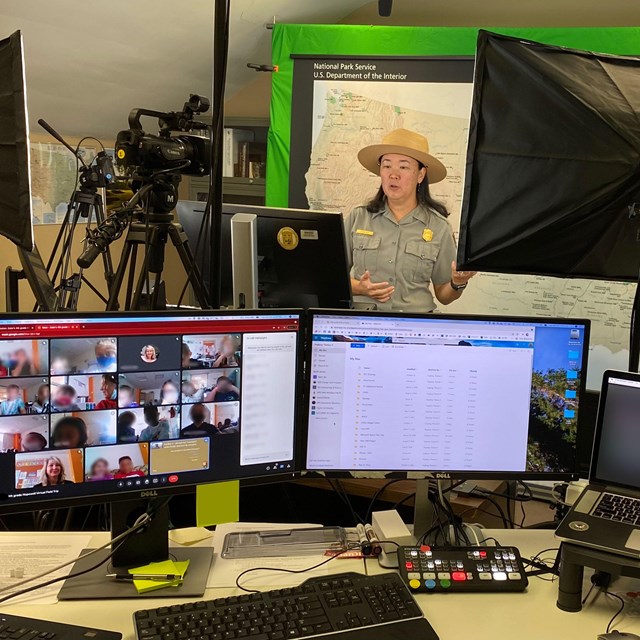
(458,287)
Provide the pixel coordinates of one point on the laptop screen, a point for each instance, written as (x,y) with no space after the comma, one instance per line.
(616,449)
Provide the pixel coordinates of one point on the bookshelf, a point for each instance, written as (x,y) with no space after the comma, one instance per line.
(236,189)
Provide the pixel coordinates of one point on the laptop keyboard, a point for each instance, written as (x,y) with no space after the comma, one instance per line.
(618,508)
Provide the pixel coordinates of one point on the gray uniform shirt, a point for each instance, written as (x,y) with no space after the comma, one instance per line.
(408,254)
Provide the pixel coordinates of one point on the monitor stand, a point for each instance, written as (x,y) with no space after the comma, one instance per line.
(150,544)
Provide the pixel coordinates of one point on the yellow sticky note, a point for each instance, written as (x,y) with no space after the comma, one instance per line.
(217,503)
(427,235)
(364,232)
(165,567)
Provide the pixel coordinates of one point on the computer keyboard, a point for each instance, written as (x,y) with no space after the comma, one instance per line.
(619,508)
(324,605)
(19,628)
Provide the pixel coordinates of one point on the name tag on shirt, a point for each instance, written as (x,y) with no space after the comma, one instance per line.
(364,232)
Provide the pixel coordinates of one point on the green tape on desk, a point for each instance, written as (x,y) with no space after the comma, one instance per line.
(217,503)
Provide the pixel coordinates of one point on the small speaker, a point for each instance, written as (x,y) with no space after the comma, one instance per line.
(384,8)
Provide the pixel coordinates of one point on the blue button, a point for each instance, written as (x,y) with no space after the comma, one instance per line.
(430,584)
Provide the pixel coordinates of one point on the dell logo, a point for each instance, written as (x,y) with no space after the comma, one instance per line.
(148,494)
(443,476)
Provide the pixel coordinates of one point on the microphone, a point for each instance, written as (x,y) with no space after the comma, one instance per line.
(50,130)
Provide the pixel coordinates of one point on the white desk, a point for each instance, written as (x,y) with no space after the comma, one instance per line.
(530,615)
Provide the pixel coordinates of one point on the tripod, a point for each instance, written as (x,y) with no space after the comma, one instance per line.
(84,203)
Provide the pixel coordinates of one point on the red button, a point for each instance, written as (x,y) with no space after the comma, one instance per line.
(483,554)
(173,478)
(409,565)
(459,576)
(424,548)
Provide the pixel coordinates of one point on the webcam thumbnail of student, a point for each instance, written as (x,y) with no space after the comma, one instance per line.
(155,353)
(221,385)
(24,433)
(20,396)
(210,420)
(83,355)
(23,358)
(211,351)
(48,468)
(84,392)
(149,423)
(82,429)
(153,388)
(116,463)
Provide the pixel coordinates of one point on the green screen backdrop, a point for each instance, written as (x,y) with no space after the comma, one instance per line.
(348,40)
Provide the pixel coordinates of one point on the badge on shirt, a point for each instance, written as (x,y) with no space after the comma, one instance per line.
(427,235)
(364,232)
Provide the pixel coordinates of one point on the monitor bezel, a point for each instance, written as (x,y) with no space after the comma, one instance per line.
(438,474)
(26,505)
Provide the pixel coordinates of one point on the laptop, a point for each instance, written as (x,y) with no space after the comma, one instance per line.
(606,516)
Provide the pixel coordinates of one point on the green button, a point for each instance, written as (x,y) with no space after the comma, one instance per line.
(445,584)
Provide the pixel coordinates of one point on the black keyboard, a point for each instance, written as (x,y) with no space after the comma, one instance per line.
(19,628)
(318,606)
(618,508)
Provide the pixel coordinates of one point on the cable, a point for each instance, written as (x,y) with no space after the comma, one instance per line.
(281,570)
(506,522)
(142,521)
(618,612)
(377,495)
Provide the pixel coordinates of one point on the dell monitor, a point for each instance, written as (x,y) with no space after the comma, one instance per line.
(301,256)
(449,396)
(121,408)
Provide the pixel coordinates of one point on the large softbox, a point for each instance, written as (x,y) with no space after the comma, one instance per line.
(15,186)
(553,164)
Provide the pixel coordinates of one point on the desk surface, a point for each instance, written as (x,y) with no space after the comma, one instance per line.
(530,615)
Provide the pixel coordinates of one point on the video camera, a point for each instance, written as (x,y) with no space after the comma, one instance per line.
(140,155)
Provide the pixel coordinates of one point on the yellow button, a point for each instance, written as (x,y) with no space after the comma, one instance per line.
(414,584)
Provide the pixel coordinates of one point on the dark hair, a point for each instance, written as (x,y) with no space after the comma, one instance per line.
(225,378)
(76,423)
(109,377)
(151,411)
(126,387)
(174,384)
(14,386)
(39,436)
(125,458)
(126,419)
(67,388)
(378,202)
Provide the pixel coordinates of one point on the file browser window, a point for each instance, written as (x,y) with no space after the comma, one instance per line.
(416,394)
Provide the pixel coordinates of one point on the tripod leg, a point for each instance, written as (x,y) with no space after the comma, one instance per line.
(131,278)
(156,244)
(114,289)
(106,256)
(179,239)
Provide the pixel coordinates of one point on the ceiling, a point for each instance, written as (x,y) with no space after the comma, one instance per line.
(89,63)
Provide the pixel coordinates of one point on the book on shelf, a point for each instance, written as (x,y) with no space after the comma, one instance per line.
(233,138)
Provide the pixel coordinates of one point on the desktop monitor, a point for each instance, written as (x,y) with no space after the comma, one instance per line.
(443,395)
(123,407)
(302,258)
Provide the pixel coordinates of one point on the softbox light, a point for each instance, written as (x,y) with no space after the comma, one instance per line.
(15,185)
(553,164)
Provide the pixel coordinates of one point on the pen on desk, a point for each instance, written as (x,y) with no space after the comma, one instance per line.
(370,532)
(160,577)
(365,547)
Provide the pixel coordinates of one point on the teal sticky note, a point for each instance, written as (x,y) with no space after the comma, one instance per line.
(217,503)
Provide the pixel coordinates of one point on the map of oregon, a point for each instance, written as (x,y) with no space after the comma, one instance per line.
(345,120)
